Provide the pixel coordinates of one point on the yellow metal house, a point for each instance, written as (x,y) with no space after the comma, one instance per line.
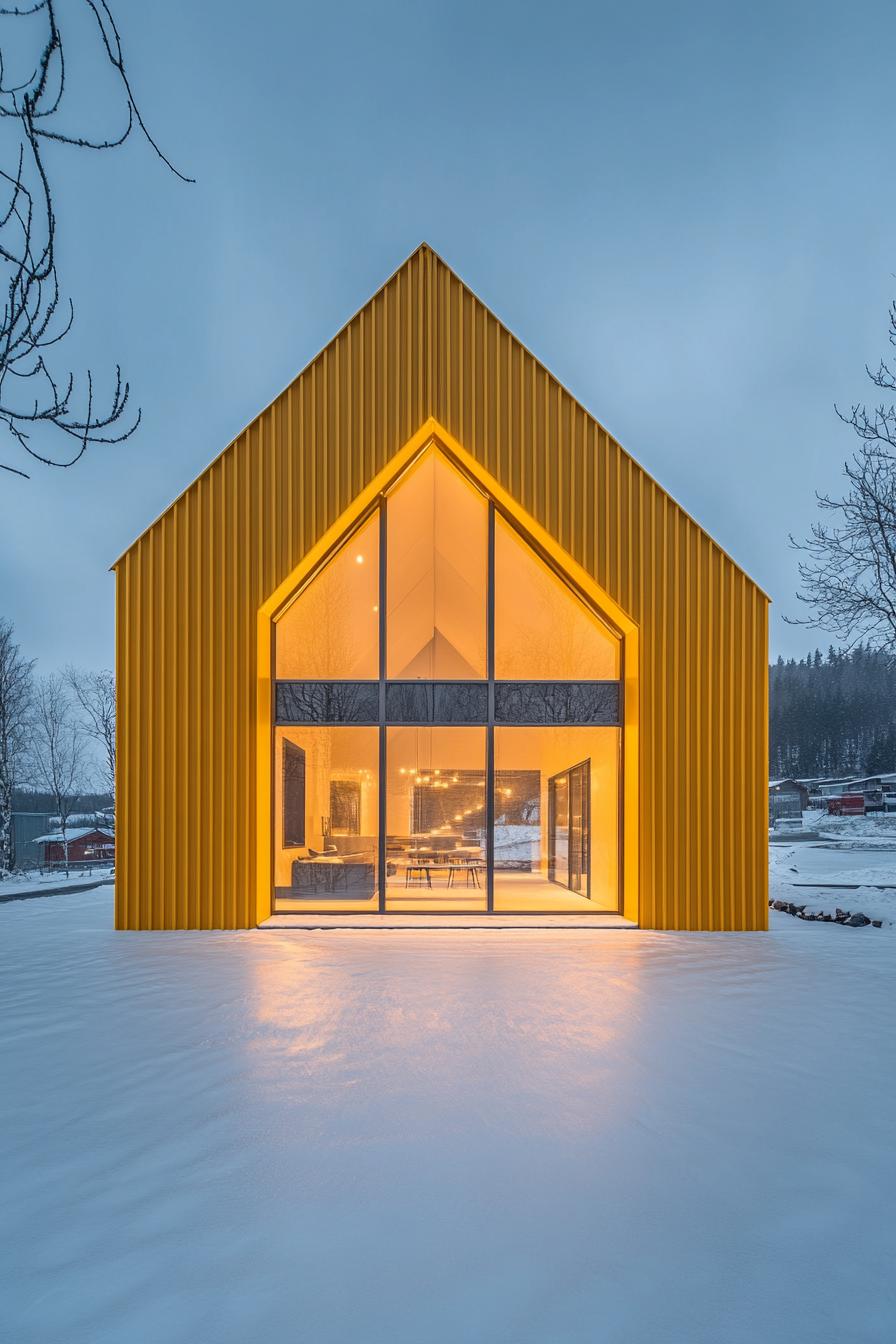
(424,639)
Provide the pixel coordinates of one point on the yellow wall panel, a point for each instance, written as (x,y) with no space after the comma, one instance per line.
(189,591)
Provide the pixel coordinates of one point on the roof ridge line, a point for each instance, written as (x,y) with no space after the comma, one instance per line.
(424,250)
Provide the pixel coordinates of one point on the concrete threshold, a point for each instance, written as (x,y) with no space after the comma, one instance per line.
(441,923)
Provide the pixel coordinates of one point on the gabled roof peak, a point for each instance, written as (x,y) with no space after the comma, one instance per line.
(425,317)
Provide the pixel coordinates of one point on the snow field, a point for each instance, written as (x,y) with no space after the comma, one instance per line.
(503,1137)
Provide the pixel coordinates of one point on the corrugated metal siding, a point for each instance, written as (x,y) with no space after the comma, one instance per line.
(703,623)
(190,588)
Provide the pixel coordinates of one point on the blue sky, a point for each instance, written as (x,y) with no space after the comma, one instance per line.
(685,211)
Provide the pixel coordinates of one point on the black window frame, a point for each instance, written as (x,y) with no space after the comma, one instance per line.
(396,702)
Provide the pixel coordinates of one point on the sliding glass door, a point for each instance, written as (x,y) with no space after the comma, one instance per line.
(569,824)
(556,820)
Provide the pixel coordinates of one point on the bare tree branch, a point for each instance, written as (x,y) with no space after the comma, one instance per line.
(33,397)
(94,694)
(848,574)
(15,708)
(57,750)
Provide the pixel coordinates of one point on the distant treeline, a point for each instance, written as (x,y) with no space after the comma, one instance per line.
(33,800)
(833,714)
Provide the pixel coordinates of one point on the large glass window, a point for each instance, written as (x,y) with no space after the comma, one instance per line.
(556,819)
(435,819)
(331,629)
(546,714)
(326,821)
(542,631)
(436,575)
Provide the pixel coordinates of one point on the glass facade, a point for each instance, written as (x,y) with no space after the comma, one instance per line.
(436,575)
(543,632)
(455,747)
(556,840)
(311,644)
(436,820)
(436,702)
(326,819)
(327,702)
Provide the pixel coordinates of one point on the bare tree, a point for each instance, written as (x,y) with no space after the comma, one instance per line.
(15,706)
(33,395)
(848,575)
(94,694)
(57,750)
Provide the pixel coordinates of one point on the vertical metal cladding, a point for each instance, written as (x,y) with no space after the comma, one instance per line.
(702,621)
(189,590)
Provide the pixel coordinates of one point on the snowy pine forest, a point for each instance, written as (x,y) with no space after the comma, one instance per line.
(833,714)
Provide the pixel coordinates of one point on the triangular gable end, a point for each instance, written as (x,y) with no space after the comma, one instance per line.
(434,438)
(425,283)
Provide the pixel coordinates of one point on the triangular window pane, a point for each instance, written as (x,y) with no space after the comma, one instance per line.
(542,631)
(331,630)
(437,541)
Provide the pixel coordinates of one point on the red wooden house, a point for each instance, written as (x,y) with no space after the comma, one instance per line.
(85,844)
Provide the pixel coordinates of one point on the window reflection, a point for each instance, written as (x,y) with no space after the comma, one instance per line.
(326,819)
(436,575)
(331,630)
(542,631)
(556,791)
(556,819)
(435,819)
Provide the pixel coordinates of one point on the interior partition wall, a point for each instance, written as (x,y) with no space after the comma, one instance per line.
(448,710)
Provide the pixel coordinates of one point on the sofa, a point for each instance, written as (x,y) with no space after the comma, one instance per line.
(332,876)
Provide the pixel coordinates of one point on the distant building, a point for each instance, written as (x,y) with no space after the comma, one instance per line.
(878,791)
(873,783)
(786,798)
(101,817)
(828,788)
(85,843)
(26,827)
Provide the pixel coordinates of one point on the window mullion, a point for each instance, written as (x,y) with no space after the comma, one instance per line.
(381,786)
(490,727)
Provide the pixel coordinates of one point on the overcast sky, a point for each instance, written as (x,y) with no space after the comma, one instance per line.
(686,211)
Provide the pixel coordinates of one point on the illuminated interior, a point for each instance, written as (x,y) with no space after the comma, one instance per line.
(556,818)
(459,750)
(542,633)
(310,643)
(326,818)
(435,819)
(436,571)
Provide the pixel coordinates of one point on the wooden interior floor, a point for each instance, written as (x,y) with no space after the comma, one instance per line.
(522,901)
(515,894)
(418,922)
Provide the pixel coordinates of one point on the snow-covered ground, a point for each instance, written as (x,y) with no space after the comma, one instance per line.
(850,852)
(618,1138)
(877,826)
(20,883)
